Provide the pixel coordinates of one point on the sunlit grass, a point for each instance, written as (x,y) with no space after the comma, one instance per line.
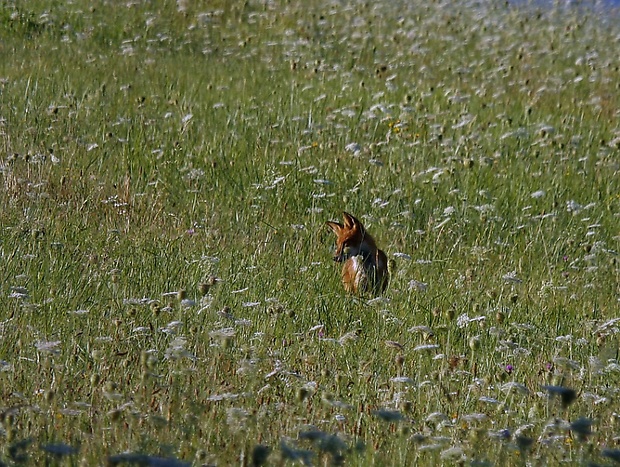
(168,295)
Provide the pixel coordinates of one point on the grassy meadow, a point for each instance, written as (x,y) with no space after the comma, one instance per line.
(167,290)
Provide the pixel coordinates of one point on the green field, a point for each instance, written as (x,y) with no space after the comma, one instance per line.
(167,290)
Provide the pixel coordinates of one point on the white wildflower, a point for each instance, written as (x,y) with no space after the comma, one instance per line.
(378,301)
(420,348)
(612,367)
(51,346)
(566,363)
(512,277)
(223,397)
(595,398)
(417,285)
(512,387)
(401,255)
(484,208)
(172,328)
(176,350)
(19,292)
(475,417)
(608,326)
(437,417)
(222,333)
(425,330)
(462,321)
(449,211)
(354,148)
(403,380)
(349,336)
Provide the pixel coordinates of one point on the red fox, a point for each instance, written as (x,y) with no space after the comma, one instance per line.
(365,266)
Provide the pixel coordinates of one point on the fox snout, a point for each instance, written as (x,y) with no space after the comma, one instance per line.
(343,254)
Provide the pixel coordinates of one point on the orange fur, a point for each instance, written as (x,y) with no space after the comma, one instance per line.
(365,266)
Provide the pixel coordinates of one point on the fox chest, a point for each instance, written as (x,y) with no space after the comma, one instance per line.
(358,275)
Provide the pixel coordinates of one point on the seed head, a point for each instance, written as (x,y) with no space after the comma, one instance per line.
(567,395)
(115,415)
(399,360)
(302,394)
(582,427)
(474,342)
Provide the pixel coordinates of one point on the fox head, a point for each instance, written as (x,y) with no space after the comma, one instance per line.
(352,239)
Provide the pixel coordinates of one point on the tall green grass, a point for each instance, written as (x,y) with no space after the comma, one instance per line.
(168,293)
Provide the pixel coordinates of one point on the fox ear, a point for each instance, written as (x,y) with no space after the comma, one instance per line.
(335,226)
(350,221)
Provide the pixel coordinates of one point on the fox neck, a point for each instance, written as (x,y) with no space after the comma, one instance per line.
(368,249)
